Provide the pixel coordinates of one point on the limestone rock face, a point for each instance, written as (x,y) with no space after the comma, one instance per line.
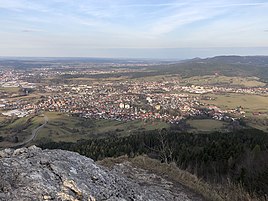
(36,174)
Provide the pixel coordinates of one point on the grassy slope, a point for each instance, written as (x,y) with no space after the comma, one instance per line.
(224,192)
(61,127)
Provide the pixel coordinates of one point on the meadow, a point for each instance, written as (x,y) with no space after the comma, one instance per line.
(205,125)
(224,80)
(249,102)
(63,127)
(254,106)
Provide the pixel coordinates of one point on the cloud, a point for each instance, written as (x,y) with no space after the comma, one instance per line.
(240,4)
(135,23)
(180,16)
(31,30)
(149,5)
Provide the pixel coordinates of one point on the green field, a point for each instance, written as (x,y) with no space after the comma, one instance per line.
(62,127)
(20,128)
(255,107)
(206,125)
(224,80)
(10,89)
(127,127)
(159,78)
(259,122)
(250,103)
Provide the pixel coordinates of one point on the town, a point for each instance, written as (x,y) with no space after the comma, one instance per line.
(171,101)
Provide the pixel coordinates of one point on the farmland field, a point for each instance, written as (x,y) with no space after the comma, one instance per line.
(250,103)
(224,80)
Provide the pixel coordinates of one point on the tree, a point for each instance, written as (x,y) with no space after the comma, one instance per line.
(165,149)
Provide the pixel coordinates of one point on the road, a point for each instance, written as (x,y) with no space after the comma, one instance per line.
(35,131)
(33,136)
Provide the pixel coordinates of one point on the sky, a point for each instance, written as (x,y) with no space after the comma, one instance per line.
(133,28)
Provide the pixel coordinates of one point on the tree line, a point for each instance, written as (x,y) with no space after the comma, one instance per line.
(240,156)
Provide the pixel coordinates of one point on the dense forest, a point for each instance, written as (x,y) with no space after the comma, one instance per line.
(240,156)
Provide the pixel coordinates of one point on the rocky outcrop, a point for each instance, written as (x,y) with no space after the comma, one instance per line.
(35,174)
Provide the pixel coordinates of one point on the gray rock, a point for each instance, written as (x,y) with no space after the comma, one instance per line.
(36,174)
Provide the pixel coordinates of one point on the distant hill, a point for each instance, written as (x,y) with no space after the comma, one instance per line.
(223,65)
(247,60)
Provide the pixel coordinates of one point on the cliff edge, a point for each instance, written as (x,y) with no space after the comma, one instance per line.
(36,174)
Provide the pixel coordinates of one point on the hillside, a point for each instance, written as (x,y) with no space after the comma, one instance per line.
(222,65)
(247,60)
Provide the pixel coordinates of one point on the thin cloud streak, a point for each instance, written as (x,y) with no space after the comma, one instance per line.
(182,4)
(22,5)
(241,4)
(31,30)
(183,16)
(149,5)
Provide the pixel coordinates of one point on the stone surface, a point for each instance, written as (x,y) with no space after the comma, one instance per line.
(35,174)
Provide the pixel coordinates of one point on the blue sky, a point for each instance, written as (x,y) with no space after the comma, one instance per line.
(133,28)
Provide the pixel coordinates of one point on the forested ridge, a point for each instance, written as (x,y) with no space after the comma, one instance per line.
(240,156)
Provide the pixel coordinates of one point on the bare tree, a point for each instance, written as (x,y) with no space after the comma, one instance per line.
(164,149)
